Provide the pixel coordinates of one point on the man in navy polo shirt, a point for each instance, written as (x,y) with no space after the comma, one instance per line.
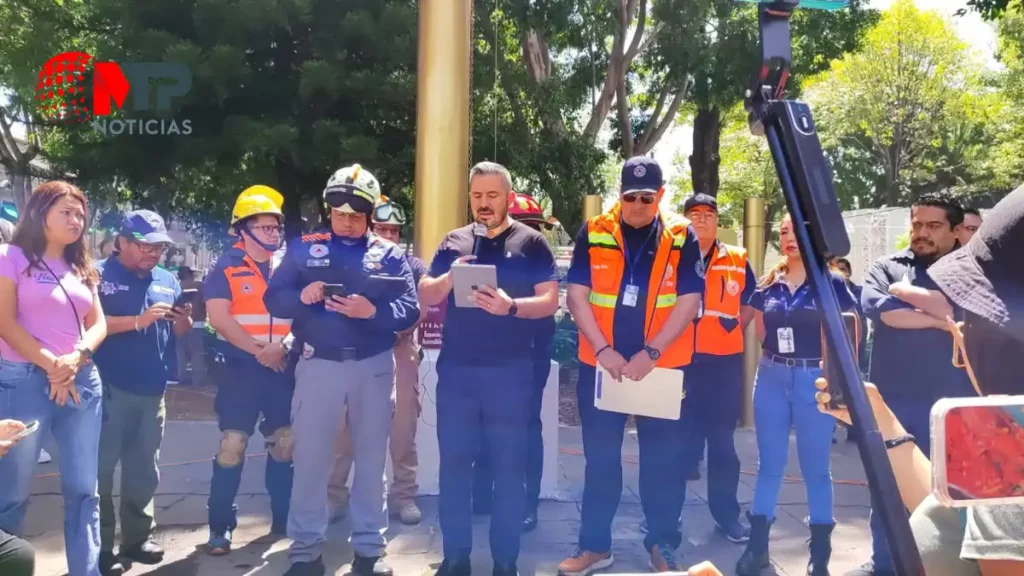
(910,358)
(137,298)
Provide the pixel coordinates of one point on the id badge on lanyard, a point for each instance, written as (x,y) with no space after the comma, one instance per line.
(784,334)
(632,293)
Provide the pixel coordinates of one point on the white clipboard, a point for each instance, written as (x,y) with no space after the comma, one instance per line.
(658,395)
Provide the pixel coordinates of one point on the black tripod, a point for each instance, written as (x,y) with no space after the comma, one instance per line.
(806,180)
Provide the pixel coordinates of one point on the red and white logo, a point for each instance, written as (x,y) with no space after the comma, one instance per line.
(64,93)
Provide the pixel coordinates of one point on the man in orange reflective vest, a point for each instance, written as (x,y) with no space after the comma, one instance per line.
(714,381)
(258,379)
(635,283)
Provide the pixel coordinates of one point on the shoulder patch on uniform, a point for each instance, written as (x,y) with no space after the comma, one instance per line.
(316,237)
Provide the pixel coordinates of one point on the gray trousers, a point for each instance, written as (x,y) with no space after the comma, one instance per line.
(133,429)
(324,391)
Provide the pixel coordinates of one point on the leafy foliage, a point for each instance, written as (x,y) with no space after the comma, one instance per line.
(908,114)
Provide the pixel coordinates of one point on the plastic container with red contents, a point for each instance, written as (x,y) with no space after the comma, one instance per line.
(978,450)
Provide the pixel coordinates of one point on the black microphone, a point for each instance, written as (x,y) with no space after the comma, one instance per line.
(479,231)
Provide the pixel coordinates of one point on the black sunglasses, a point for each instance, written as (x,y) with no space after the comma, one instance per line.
(644,198)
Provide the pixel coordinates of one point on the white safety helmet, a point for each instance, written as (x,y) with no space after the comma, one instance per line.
(352,189)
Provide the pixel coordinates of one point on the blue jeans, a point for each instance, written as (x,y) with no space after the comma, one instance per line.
(76,428)
(714,388)
(914,415)
(784,399)
(661,468)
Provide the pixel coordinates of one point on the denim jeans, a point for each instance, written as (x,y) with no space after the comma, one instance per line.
(661,468)
(915,415)
(784,399)
(76,428)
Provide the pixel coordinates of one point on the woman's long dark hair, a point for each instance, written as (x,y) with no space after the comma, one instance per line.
(30,234)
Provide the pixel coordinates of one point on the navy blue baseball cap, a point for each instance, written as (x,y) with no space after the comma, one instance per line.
(701,199)
(145,226)
(641,174)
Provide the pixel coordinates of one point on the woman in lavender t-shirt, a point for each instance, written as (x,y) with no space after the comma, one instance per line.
(50,323)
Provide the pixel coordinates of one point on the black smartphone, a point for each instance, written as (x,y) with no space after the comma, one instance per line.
(832,373)
(334,290)
(187,296)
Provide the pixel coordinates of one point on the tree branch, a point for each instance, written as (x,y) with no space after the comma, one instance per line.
(645,135)
(612,74)
(665,122)
(638,34)
(625,126)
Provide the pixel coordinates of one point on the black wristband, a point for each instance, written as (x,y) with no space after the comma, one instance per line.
(890,444)
(607,346)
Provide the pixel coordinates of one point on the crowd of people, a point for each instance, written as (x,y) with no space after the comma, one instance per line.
(317,341)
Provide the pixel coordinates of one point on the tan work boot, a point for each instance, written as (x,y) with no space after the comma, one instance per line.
(583,562)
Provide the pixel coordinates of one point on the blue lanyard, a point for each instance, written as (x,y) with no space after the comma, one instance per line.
(631,262)
(798,297)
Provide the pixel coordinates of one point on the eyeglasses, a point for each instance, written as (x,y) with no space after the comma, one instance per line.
(644,198)
(268,229)
(150,248)
(386,211)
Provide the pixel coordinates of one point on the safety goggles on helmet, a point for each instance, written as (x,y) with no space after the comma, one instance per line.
(389,213)
(340,197)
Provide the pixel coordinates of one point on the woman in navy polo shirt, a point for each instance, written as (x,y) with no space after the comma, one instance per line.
(789,327)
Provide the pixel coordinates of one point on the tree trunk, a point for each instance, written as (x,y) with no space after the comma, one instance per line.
(21,187)
(704,161)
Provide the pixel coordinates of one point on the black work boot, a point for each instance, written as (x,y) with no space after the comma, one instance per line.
(755,556)
(145,552)
(314,568)
(454,567)
(370,566)
(109,564)
(821,549)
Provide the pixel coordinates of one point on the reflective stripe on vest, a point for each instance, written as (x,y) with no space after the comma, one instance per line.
(718,331)
(607,269)
(247,308)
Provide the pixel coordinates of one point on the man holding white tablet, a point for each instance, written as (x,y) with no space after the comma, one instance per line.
(635,283)
(485,370)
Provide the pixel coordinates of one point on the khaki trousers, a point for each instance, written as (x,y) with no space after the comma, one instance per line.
(403,434)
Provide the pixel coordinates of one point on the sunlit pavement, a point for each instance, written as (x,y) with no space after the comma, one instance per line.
(185,483)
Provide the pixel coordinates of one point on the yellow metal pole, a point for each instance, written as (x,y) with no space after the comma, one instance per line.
(591,206)
(442,121)
(753,241)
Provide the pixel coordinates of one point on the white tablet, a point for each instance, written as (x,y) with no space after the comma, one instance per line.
(467,278)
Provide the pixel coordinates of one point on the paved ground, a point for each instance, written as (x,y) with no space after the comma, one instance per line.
(181,512)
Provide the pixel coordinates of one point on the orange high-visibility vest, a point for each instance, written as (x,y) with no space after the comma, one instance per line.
(718,329)
(607,269)
(247,287)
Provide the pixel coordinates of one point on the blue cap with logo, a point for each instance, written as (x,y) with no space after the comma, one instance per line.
(145,226)
(641,174)
(700,199)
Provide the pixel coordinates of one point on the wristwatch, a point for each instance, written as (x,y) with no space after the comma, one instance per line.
(514,309)
(85,352)
(653,352)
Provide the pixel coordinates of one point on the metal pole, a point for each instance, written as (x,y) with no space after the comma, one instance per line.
(592,204)
(753,241)
(442,121)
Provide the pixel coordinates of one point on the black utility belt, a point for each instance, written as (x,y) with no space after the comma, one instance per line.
(338,354)
(791,362)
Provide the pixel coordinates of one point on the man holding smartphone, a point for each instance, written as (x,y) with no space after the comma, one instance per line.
(485,369)
(388,219)
(138,298)
(349,293)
